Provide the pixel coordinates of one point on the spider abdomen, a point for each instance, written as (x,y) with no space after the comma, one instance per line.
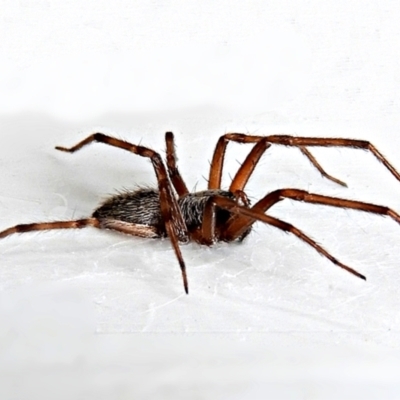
(141,206)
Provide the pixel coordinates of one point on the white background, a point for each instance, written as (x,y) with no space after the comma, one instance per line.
(96,315)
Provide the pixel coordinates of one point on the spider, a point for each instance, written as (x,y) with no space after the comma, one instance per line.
(212,215)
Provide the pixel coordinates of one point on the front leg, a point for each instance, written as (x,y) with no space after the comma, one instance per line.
(261,144)
(171,214)
(173,171)
(167,197)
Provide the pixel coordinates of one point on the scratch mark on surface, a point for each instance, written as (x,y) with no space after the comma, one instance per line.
(152,309)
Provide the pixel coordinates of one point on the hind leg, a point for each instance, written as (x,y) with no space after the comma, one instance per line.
(144,231)
(44,226)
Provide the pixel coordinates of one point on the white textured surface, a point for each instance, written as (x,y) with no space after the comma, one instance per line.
(90,314)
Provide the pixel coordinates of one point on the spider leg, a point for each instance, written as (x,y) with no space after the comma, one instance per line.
(317,165)
(144,231)
(170,211)
(230,205)
(246,169)
(206,233)
(42,226)
(217,162)
(237,225)
(173,172)
(139,230)
(334,142)
(212,228)
(147,231)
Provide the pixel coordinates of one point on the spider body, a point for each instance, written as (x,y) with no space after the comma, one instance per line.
(213,215)
(142,207)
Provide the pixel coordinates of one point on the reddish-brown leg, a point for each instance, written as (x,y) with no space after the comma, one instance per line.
(250,162)
(256,215)
(42,226)
(245,171)
(236,226)
(144,231)
(208,225)
(211,229)
(317,165)
(334,142)
(205,234)
(174,174)
(170,211)
(302,142)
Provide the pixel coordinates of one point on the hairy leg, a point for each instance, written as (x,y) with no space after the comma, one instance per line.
(246,169)
(147,232)
(174,174)
(170,211)
(43,226)
(144,231)
(317,165)
(256,215)
(244,173)
(236,226)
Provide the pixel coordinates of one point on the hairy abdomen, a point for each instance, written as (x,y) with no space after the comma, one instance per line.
(141,206)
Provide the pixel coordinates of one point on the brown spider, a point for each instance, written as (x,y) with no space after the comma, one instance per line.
(212,215)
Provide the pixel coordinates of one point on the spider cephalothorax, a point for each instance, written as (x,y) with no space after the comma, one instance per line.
(212,215)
